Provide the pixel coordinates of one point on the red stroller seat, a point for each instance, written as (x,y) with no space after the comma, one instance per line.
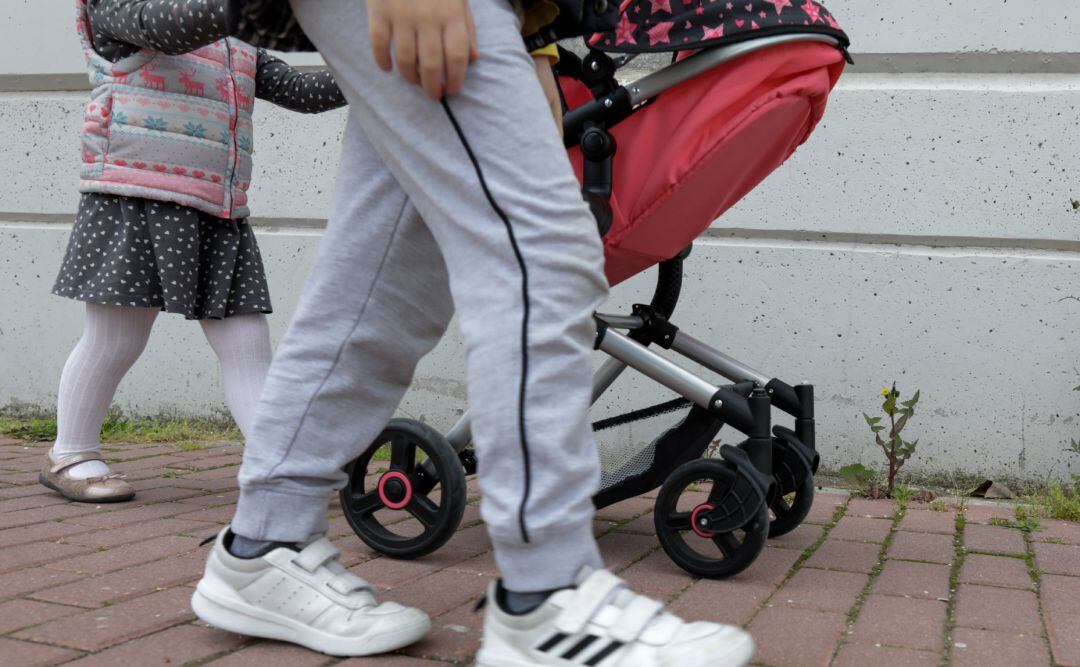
(699,147)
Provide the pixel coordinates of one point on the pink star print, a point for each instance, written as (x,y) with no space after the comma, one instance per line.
(624,32)
(812,10)
(661,6)
(658,34)
(713,33)
(779,4)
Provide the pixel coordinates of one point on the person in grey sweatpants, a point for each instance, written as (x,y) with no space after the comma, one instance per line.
(470,201)
(410,233)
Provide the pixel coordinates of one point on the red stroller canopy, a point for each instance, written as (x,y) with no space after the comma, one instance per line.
(701,146)
(676,25)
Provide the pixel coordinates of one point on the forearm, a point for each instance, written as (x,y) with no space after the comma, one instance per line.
(172,27)
(304,92)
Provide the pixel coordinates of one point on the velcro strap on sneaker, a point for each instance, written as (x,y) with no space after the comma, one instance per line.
(589,598)
(347,583)
(74,460)
(316,554)
(635,617)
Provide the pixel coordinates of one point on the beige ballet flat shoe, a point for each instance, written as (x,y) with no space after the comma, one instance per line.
(105,489)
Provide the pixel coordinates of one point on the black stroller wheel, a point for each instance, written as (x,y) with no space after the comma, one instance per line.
(411,505)
(693,488)
(794,496)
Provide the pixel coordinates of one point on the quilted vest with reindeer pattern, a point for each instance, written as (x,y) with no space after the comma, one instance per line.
(171,128)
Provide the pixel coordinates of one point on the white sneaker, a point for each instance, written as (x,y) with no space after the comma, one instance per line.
(601,623)
(305,597)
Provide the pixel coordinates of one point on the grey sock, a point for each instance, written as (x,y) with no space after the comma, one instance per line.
(519,604)
(243,547)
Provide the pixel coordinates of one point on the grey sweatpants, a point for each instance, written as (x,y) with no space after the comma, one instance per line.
(411,237)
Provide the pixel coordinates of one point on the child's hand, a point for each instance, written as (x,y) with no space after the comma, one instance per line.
(434,41)
(551,88)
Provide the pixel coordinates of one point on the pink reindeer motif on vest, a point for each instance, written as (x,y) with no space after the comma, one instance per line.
(224,90)
(150,80)
(243,101)
(191,86)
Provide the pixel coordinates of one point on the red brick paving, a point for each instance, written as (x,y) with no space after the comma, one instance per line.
(104,585)
(861,655)
(1058,558)
(865,507)
(821,589)
(1062,532)
(983,513)
(927,547)
(980,648)
(897,621)
(996,571)
(990,608)
(910,579)
(929,521)
(863,529)
(1061,594)
(804,637)
(1064,630)
(849,556)
(995,539)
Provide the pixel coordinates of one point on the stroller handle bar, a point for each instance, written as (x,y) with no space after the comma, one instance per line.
(653,84)
(617,105)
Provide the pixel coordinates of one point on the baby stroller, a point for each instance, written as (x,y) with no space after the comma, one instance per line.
(659,160)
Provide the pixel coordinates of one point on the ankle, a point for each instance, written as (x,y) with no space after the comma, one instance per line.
(84,470)
(519,604)
(247,548)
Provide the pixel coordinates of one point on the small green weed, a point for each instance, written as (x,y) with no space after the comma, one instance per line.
(896,449)
(903,494)
(118,428)
(28,429)
(1026,524)
(1060,502)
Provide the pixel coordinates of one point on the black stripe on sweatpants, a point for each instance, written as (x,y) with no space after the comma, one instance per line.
(526,464)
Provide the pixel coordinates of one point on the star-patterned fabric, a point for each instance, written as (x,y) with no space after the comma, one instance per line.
(676,25)
(120,28)
(128,251)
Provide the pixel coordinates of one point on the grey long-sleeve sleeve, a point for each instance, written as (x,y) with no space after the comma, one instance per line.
(122,27)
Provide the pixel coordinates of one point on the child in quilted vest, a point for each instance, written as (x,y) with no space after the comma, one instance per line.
(161,225)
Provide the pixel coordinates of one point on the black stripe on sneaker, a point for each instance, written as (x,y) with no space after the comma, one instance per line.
(579,647)
(601,655)
(526,465)
(552,642)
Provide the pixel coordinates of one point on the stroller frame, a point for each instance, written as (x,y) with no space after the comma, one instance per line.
(757,476)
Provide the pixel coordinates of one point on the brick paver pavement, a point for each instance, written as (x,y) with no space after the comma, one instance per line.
(862,583)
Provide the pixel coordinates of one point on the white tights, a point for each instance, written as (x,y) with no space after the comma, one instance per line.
(112,341)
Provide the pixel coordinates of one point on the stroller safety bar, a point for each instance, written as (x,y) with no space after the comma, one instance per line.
(655,367)
(716,361)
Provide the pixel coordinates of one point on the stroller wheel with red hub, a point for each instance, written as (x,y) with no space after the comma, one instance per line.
(701,520)
(406,494)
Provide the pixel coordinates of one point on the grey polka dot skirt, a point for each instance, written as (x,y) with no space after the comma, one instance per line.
(126,251)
